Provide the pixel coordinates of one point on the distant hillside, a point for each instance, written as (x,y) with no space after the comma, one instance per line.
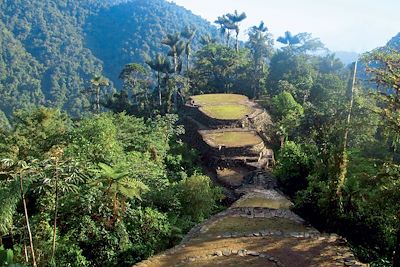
(347,57)
(394,43)
(363,77)
(49,49)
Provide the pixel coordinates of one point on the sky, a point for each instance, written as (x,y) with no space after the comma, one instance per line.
(342,25)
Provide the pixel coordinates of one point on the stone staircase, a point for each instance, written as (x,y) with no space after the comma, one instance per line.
(258,229)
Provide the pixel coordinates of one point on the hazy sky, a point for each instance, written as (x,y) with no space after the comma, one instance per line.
(343,25)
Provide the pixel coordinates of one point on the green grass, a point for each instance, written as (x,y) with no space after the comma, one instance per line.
(227,112)
(240,224)
(233,139)
(259,202)
(217,99)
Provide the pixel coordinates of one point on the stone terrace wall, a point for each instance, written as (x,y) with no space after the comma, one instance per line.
(212,123)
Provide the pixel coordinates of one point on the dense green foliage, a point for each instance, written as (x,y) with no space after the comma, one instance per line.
(117,185)
(123,188)
(340,162)
(50,49)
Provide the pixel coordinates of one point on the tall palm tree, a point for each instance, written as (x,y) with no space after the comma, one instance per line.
(235,19)
(160,65)
(188,34)
(289,39)
(259,30)
(261,46)
(177,46)
(96,83)
(226,26)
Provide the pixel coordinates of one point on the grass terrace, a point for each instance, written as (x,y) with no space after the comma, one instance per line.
(232,139)
(260,202)
(241,224)
(227,111)
(218,99)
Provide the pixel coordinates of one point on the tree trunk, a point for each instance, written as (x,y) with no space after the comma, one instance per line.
(187,64)
(159,88)
(55,214)
(237,41)
(257,85)
(26,253)
(175,89)
(343,163)
(396,257)
(97,100)
(27,222)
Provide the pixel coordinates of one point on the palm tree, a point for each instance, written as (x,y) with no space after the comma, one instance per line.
(19,171)
(289,39)
(221,21)
(160,65)
(226,26)
(261,47)
(177,46)
(235,20)
(188,34)
(116,182)
(96,83)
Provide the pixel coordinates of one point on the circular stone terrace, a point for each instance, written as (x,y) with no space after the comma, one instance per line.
(223,106)
(231,138)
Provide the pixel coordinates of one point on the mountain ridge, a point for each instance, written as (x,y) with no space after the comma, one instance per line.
(67,43)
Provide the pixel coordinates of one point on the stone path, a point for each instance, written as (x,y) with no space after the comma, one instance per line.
(247,235)
(258,229)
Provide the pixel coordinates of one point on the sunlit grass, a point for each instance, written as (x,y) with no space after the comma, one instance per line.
(234,139)
(227,112)
(214,99)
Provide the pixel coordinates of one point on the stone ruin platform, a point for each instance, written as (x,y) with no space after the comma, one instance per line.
(259,228)
(228,131)
(226,111)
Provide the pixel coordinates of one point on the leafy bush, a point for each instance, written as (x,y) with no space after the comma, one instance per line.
(294,163)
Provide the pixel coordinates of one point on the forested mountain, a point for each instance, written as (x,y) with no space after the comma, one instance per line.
(347,57)
(116,184)
(49,49)
(394,43)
